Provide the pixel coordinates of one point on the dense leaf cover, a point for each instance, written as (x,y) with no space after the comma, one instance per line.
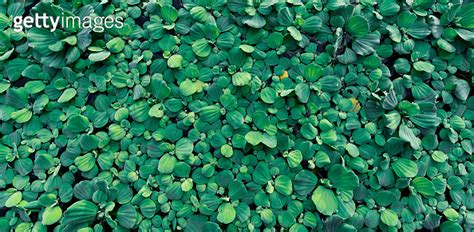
(258,115)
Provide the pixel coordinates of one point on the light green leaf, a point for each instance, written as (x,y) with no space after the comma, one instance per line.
(51,215)
(201,48)
(13,199)
(405,167)
(325,200)
(226,213)
(175,61)
(241,78)
(424,66)
(284,185)
(254,137)
(99,56)
(21,116)
(423,186)
(67,95)
(295,33)
(389,217)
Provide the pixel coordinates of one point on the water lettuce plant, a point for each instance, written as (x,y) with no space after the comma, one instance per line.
(239,115)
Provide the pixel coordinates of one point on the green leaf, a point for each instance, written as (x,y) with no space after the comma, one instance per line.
(284,185)
(67,95)
(99,56)
(343,179)
(33,87)
(449,226)
(274,40)
(201,48)
(85,163)
(241,78)
(127,216)
(237,190)
(466,16)
(116,132)
(116,45)
(385,198)
(423,4)
(187,87)
(302,92)
(210,113)
(267,216)
(305,182)
(294,158)
(394,33)
(422,91)
(169,13)
(445,45)
(357,26)
(325,200)
(425,120)
(139,111)
(13,199)
(423,186)
(348,57)
(451,214)
(269,140)
(261,175)
(295,33)
(402,65)
(256,21)
(424,66)
(199,13)
(175,61)
(389,8)
(268,95)
(313,72)
(439,156)
(405,167)
(462,89)
(167,164)
(80,212)
(226,213)
(254,137)
(247,48)
(311,24)
(366,44)
(21,116)
(407,135)
(285,16)
(419,30)
(336,4)
(184,147)
(51,215)
(4,85)
(389,217)
(159,88)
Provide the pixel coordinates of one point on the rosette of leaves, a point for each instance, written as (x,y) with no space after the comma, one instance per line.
(61,47)
(252,13)
(363,41)
(8,35)
(326,201)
